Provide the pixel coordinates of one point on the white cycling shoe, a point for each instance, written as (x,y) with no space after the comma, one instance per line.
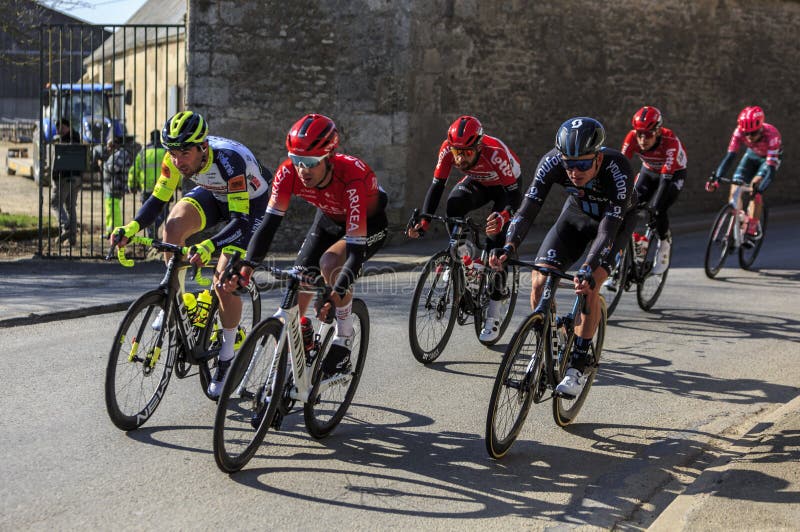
(494,318)
(573,383)
(661,262)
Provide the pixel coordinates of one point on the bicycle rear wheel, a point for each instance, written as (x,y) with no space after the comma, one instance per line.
(211,335)
(512,288)
(330,398)
(433,308)
(650,285)
(750,248)
(617,282)
(245,409)
(140,362)
(521,369)
(719,241)
(565,409)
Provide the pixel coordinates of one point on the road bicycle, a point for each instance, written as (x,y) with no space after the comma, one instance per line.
(729,232)
(272,372)
(454,286)
(147,348)
(634,263)
(535,362)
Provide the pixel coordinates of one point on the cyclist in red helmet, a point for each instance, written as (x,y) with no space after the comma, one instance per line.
(758,165)
(663,157)
(491,174)
(349,227)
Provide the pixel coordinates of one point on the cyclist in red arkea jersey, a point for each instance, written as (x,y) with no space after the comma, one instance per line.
(351,205)
(663,157)
(492,173)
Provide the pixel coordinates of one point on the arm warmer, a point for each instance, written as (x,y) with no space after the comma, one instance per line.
(259,244)
(433,197)
(723,167)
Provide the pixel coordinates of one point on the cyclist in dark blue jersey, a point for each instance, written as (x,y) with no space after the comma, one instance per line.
(598,214)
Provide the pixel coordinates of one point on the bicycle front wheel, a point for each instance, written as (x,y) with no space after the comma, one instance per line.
(511,288)
(750,247)
(210,337)
(140,362)
(720,241)
(250,397)
(522,368)
(330,398)
(566,409)
(617,281)
(433,308)
(650,285)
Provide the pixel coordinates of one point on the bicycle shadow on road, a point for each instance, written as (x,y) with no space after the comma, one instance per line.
(775,277)
(713,324)
(447,475)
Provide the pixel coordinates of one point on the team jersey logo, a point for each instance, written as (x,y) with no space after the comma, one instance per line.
(237,184)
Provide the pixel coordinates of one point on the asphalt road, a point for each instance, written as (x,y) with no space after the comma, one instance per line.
(674,386)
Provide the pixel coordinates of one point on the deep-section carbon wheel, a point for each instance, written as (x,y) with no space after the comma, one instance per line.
(330,397)
(720,241)
(520,370)
(433,308)
(246,407)
(140,362)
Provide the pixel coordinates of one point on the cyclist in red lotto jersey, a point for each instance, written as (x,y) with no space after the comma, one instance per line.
(759,164)
(492,173)
(349,227)
(663,157)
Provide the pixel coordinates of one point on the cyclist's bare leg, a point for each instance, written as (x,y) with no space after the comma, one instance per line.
(537,285)
(586,326)
(755,207)
(230,305)
(330,265)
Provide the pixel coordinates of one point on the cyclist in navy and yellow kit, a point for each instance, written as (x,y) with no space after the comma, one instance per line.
(231,186)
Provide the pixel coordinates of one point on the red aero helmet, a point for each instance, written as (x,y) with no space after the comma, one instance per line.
(646,119)
(465,132)
(314,135)
(751,119)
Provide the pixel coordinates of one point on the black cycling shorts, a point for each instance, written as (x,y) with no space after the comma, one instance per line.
(567,240)
(324,233)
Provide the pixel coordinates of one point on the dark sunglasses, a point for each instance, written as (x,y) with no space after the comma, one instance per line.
(578,164)
(646,134)
(752,133)
(463,152)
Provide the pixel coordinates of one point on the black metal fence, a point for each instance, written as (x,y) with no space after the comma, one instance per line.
(105,94)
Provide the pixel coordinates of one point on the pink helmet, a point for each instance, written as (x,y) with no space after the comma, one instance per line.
(313,135)
(646,119)
(751,119)
(465,132)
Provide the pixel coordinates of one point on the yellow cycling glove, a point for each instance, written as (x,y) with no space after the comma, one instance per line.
(205,249)
(129,229)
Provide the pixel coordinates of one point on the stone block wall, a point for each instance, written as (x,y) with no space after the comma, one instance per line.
(394,74)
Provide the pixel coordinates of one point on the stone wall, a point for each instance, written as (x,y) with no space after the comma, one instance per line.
(394,74)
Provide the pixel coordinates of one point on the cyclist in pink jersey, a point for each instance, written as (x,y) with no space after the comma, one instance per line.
(759,164)
(491,173)
(663,158)
(350,225)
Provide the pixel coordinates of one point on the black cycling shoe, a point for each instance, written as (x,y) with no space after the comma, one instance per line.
(336,361)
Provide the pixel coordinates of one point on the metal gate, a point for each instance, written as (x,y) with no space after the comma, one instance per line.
(106,92)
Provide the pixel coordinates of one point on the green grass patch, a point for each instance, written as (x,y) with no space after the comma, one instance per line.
(18,221)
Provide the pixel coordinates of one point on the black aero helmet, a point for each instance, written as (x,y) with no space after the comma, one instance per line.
(580,136)
(184,129)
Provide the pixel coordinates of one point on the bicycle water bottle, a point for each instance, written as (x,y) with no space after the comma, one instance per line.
(203,306)
(308,335)
(190,302)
